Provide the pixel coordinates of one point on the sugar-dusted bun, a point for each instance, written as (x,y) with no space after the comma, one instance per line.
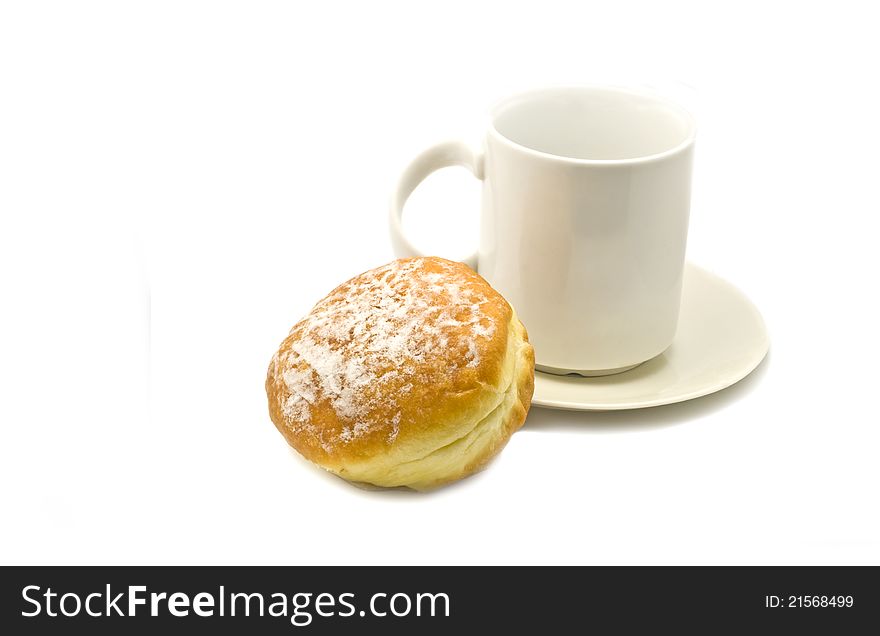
(412,374)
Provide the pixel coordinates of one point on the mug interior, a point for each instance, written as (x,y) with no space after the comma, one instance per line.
(593,124)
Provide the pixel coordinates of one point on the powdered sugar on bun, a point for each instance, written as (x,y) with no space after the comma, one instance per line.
(377,346)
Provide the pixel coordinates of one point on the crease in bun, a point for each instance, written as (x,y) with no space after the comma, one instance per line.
(476,444)
(412,374)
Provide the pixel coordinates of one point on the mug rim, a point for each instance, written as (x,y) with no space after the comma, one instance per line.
(683,145)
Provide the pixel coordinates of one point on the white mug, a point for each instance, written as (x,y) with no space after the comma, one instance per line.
(586,197)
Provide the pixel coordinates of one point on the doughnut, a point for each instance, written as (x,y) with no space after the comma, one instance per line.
(414,374)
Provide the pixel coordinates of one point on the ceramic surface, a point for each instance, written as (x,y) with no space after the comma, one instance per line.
(721,338)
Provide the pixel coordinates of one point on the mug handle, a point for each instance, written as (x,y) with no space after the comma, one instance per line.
(442,155)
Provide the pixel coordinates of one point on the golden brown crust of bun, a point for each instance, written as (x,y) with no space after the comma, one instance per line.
(412,374)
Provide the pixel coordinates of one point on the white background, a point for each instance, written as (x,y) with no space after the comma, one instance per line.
(180,182)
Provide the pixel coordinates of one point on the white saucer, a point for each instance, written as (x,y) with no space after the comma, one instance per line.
(721,338)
